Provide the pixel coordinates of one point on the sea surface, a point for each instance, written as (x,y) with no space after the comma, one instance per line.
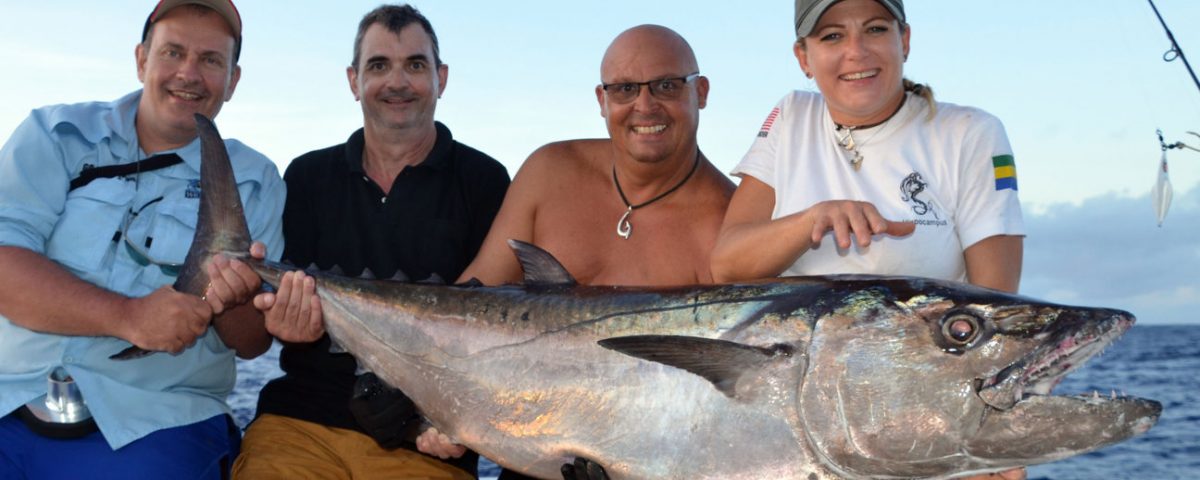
(1156,362)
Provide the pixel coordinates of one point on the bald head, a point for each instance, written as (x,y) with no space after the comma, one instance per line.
(647,47)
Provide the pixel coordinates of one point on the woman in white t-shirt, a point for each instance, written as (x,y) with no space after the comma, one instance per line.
(903,185)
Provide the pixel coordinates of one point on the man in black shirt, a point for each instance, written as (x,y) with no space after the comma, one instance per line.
(399,196)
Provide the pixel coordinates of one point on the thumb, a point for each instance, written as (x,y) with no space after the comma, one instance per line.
(258,250)
(264,301)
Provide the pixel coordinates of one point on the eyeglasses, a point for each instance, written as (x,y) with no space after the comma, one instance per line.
(139,253)
(662,89)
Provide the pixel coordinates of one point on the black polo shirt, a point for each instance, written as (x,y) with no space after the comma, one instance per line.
(433,221)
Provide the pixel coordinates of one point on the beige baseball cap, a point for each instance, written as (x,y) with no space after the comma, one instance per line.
(809,11)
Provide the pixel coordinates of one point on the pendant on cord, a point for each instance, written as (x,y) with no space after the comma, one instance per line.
(624,228)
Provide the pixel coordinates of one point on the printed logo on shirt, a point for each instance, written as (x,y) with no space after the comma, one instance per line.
(193,189)
(766,127)
(1005,171)
(911,190)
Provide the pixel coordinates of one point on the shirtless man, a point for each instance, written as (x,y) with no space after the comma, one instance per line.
(642,207)
(566,200)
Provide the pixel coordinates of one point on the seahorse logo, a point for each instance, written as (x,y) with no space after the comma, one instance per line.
(912,186)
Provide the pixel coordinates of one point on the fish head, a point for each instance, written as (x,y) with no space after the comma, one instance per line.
(914,377)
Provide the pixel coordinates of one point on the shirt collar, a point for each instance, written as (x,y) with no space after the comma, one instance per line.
(123,124)
(438,158)
(124,111)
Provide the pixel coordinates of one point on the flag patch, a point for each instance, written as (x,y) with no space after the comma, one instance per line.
(1005,172)
(766,127)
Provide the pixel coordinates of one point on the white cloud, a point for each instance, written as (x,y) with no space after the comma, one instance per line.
(1108,251)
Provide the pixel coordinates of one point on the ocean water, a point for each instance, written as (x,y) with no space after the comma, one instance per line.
(1156,362)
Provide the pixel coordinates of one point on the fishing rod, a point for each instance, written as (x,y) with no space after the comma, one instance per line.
(1175,51)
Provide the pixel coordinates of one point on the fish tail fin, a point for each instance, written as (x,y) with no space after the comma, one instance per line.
(220,225)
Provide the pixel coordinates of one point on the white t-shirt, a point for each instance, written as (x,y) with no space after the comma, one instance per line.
(952,175)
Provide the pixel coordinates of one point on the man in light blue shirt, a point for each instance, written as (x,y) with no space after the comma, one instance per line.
(91,237)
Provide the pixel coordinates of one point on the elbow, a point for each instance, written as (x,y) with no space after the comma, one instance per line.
(250,352)
(722,266)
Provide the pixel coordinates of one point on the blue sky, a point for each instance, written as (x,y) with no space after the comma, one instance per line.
(1080,88)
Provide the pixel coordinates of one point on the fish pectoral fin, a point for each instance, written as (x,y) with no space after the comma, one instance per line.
(719,361)
(541,268)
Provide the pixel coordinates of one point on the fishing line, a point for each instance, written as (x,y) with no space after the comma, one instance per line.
(1162,192)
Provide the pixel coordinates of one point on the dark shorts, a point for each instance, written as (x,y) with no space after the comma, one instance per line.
(202,450)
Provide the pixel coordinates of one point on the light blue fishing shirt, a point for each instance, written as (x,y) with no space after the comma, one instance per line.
(78,229)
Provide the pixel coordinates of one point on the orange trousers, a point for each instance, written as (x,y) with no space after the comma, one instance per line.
(277,447)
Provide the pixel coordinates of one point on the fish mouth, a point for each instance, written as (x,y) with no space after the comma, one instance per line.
(1064,349)
(1025,422)
(1044,428)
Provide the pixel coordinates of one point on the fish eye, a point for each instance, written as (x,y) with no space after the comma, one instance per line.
(960,329)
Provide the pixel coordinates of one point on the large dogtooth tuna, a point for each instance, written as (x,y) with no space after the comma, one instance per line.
(808,378)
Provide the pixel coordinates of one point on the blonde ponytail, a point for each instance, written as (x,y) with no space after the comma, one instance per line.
(924,91)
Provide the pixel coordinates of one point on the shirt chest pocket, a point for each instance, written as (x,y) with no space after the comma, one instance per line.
(159,239)
(82,238)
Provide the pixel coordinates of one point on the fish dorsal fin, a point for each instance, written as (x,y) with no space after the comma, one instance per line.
(719,361)
(337,270)
(400,277)
(433,279)
(335,347)
(367,274)
(541,268)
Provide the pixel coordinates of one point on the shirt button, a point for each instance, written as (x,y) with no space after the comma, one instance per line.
(69,360)
(383,200)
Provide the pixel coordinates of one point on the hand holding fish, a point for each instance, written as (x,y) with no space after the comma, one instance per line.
(293,312)
(583,469)
(848,218)
(165,320)
(433,442)
(231,283)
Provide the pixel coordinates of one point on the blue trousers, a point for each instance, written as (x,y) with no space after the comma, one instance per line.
(203,450)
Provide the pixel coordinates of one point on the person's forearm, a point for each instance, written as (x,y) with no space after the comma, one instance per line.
(243,330)
(995,262)
(752,251)
(38,294)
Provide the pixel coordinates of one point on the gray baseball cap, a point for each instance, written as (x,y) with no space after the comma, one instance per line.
(809,11)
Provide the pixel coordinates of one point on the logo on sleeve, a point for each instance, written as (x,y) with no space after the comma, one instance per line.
(1005,172)
(766,127)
